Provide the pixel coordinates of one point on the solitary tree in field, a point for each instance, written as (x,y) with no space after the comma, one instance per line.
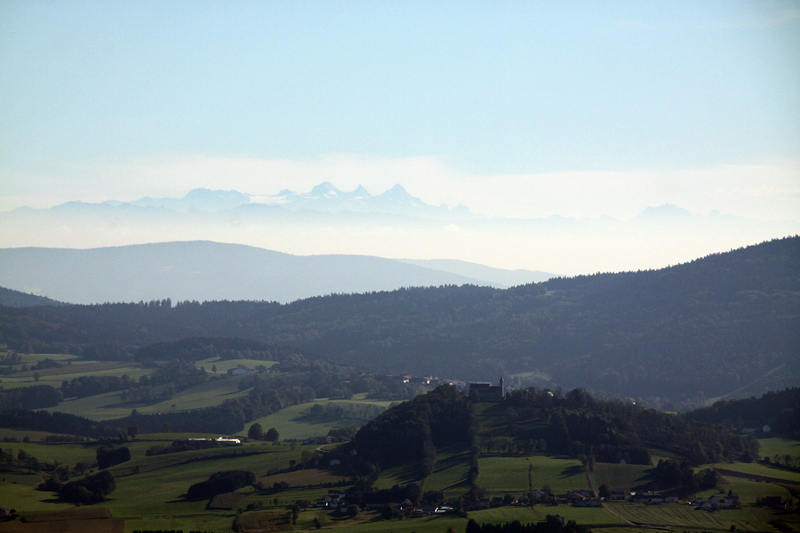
(256,432)
(272,435)
(133,430)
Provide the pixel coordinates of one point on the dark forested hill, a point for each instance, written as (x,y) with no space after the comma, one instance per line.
(780,410)
(12,298)
(535,420)
(724,325)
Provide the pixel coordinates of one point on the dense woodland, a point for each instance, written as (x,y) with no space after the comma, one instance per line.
(688,332)
(610,431)
(412,431)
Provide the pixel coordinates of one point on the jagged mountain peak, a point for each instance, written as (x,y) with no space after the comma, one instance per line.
(326,188)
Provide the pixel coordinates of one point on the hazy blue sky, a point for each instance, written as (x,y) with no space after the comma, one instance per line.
(519,108)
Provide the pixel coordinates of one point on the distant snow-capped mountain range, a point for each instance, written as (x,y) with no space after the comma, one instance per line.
(393,224)
(325,198)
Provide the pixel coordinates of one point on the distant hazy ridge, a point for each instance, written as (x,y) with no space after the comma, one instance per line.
(203,270)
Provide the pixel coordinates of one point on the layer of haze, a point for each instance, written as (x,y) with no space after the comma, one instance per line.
(514,109)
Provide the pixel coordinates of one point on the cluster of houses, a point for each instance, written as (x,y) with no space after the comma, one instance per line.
(728,502)
(584,498)
(337,500)
(776,502)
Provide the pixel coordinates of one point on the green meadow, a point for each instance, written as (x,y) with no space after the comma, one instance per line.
(55,376)
(779,446)
(686,516)
(449,473)
(502,475)
(295,422)
(110,405)
(619,476)
(223,365)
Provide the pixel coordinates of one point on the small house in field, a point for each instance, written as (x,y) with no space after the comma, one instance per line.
(617,495)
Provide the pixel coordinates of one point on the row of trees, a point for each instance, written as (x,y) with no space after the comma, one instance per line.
(671,474)
(256,432)
(220,483)
(552,524)
(33,397)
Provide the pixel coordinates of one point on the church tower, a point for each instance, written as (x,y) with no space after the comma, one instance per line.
(502,388)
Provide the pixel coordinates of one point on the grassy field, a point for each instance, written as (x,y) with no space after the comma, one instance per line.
(587,515)
(501,475)
(632,477)
(64,453)
(758,469)
(55,376)
(685,516)
(747,490)
(224,365)
(780,446)
(449,473)
(294,422)
(399,475)
(109,405)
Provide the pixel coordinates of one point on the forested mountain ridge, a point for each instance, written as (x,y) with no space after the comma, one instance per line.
(726,324)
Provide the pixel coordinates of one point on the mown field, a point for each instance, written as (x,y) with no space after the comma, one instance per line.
(223,366)
(779,446)
(504,475)
(295,422)
(634,477)
(109,406)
